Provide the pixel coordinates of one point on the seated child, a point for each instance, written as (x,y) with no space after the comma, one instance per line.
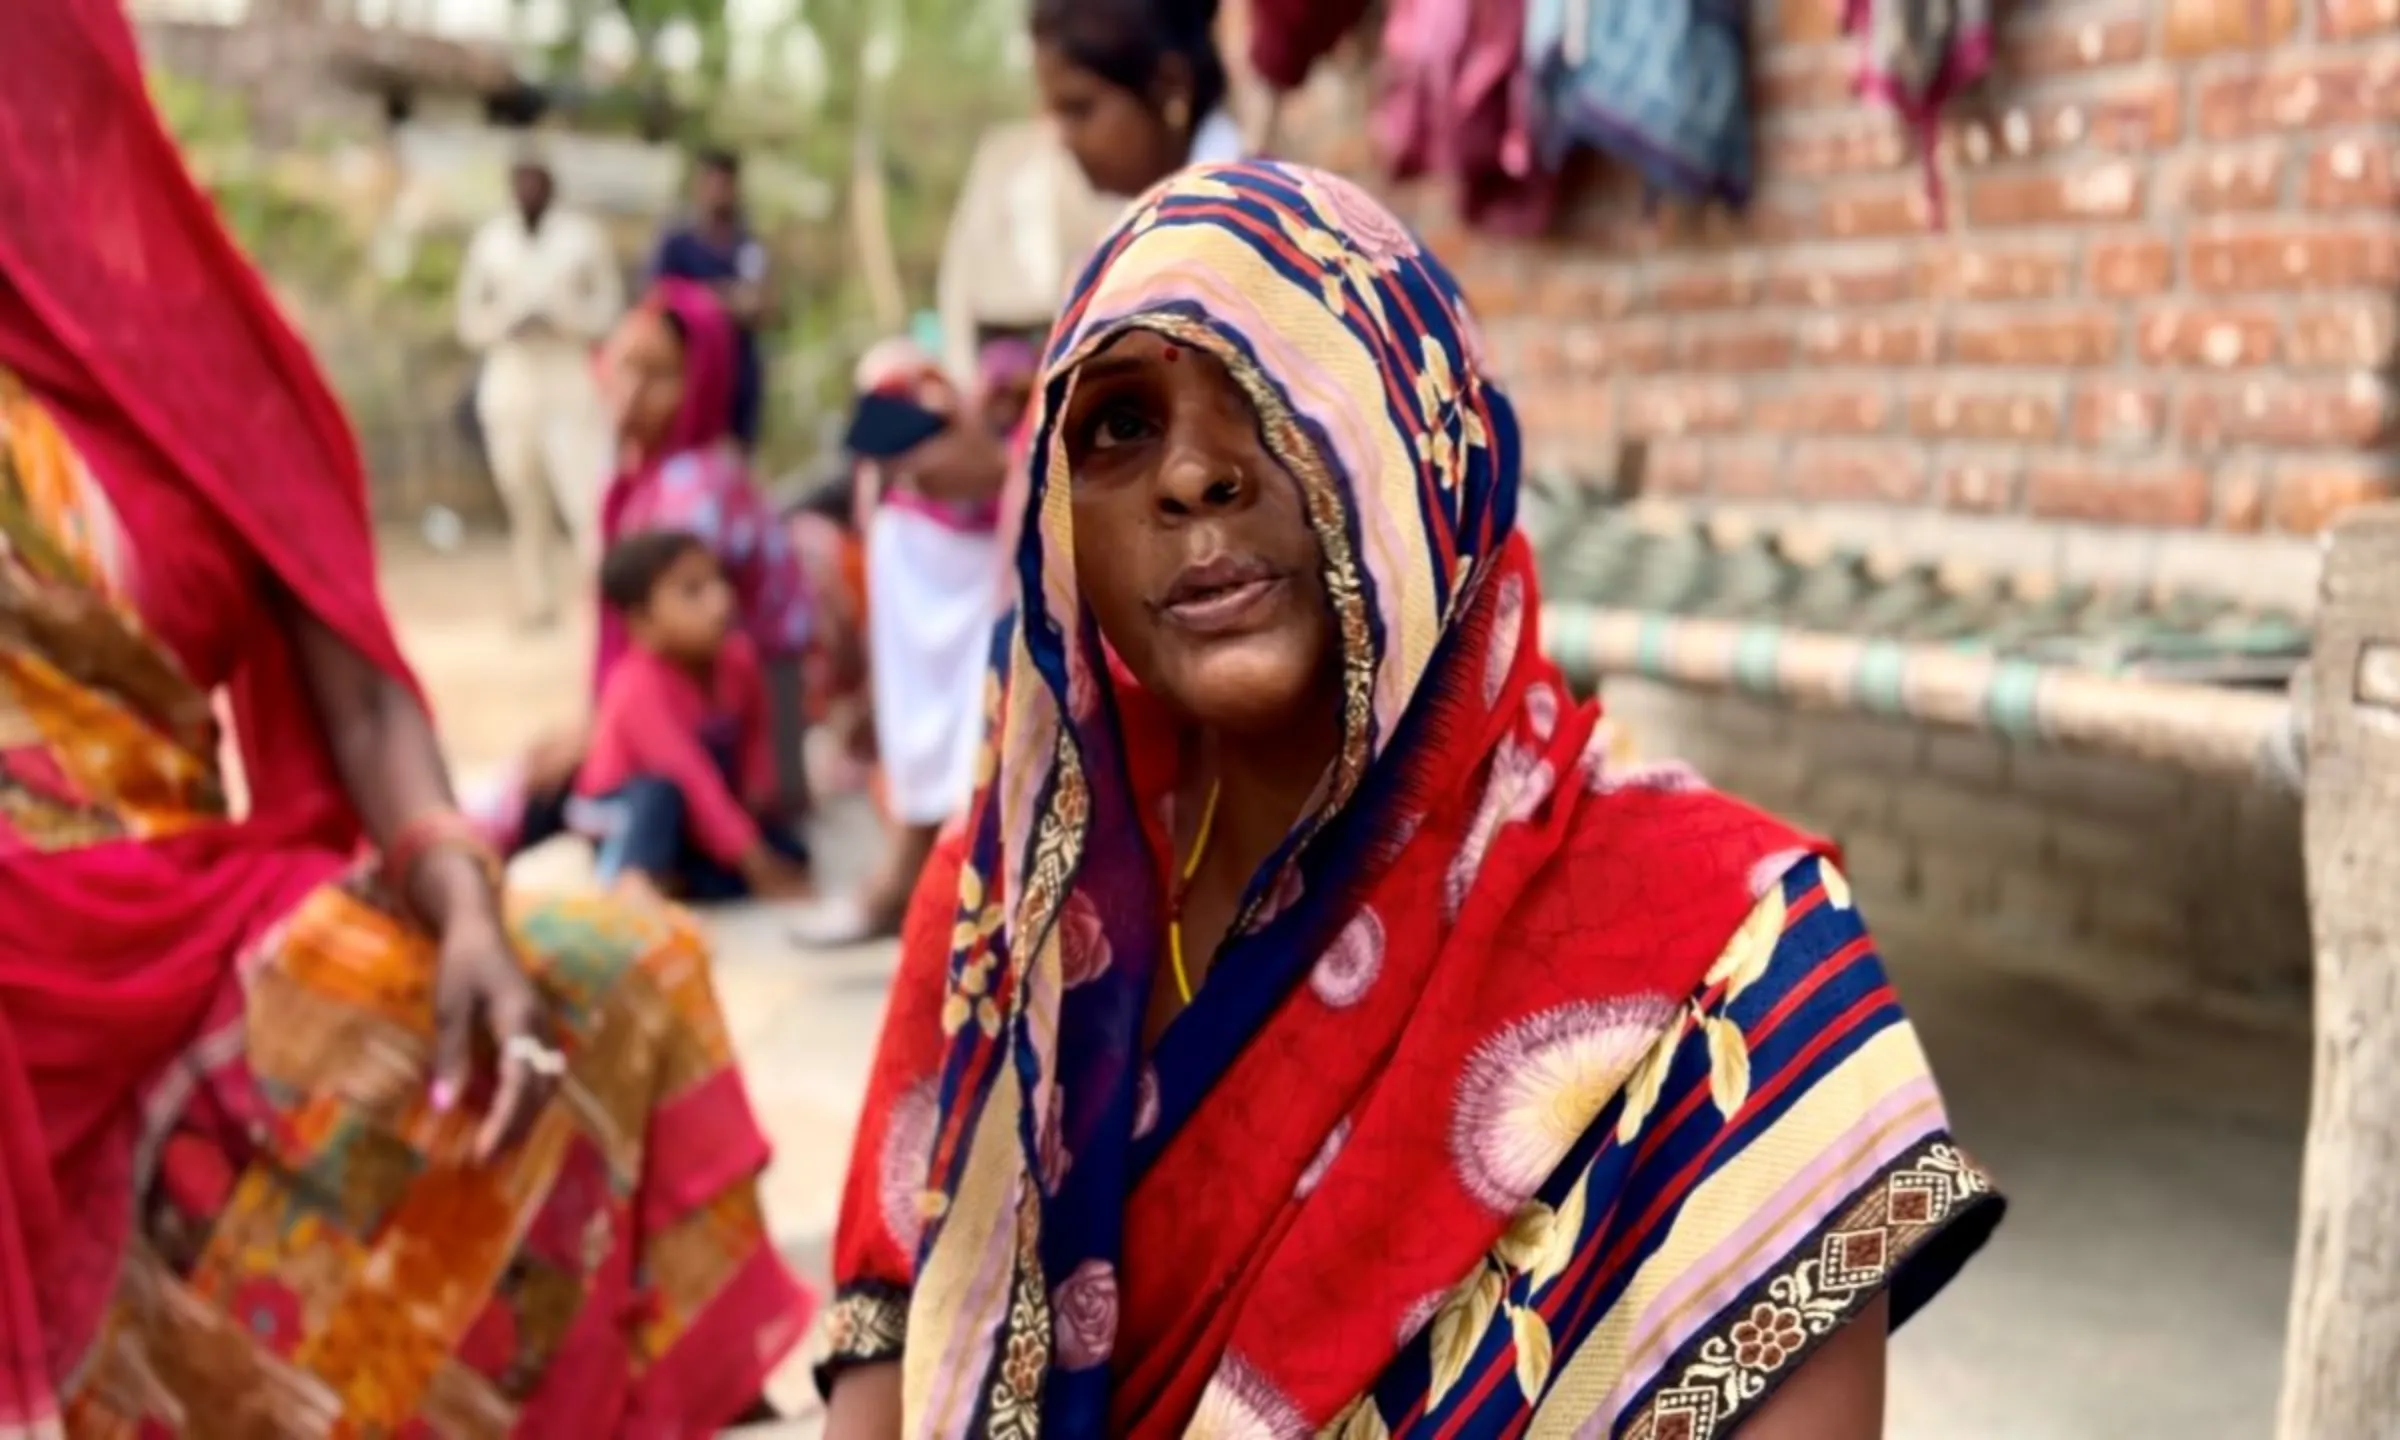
(679,781)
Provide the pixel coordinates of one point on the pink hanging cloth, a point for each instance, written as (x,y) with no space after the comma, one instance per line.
(1917,56)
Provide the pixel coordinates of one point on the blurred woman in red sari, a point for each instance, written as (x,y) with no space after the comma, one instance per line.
(303,1129)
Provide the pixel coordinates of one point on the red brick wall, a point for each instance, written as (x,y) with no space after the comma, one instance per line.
(2165,296)
(2163,293)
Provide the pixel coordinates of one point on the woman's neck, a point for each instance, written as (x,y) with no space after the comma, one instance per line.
(1263,788)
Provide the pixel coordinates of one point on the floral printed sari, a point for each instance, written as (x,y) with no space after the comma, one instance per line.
(1528,1091)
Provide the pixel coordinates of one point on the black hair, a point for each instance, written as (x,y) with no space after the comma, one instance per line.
(720,159)
(632,568)
(1127,42)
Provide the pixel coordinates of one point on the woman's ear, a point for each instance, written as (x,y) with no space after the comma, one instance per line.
(1171,95)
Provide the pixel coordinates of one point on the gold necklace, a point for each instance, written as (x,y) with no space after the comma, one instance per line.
(1208,822)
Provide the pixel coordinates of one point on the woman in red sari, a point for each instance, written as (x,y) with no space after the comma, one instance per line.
(292,1141)
(1312,1031)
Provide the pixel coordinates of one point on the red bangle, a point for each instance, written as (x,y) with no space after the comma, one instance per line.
(431,831)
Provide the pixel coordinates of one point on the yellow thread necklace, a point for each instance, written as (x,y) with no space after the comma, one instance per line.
(1191,867)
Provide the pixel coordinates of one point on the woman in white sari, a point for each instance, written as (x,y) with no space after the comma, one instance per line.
(1135,90)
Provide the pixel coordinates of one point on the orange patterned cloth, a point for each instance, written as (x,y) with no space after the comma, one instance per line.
(315,1257)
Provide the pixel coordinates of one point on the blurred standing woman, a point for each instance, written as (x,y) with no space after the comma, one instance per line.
(303,1130)
(1310,1031)
(1137,87)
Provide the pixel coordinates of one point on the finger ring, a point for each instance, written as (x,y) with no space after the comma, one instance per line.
(534,1055)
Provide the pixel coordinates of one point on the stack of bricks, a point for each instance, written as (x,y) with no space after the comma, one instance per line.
(2160,297)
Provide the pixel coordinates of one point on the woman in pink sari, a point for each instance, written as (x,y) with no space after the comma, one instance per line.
(668,373)
(305,1127)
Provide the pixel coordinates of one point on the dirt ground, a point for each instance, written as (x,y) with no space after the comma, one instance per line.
(2151,1154)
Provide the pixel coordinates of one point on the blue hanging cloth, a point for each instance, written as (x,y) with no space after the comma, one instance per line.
(1661,85)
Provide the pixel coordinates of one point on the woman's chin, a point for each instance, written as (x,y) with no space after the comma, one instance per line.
(1256,685)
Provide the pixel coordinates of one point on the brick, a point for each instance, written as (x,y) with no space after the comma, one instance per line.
(1892,473)
(2242,497)
(2067,40)
(2228,179)
(1739,345)
(1860,210)
(1951,411)
(1683,407)
(1967,759)
(2357,19)
(2112,414)
(2353,173)
(2214,338)
(1830,340)
(1846,801)
(2240,258)
(2204,27)
(1857,141)
(1954,885)
(2105,192)
(2355,413)
(1845,286)
(2098,785)
(1792,80)
(1859,742)
(2063,339)
(1811,407)
(2130,268)
(1570,289)
(2363,333)
(2309,494)
(1709,285)
(1880,869)
(1977,482)
(1643,347)
(2102,846)
(1676,467)
(1981,271)
(1741,718)
(2164,494)
(2033,902)
(1730,468)
(2300,94)
(2132,116)
(1808,22)
(2135,911)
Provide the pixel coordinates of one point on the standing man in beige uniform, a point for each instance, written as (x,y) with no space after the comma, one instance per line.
(540,288)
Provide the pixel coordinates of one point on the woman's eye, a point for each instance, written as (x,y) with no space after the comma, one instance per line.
(1118,425)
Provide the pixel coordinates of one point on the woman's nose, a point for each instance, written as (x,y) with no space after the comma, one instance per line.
(1198,478)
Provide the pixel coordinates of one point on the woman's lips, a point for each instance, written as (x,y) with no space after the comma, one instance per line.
(1221,612)
(1222,595)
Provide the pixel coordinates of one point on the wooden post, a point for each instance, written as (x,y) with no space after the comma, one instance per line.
(2341,1375)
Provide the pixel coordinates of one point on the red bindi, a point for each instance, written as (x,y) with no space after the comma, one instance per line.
(1173,354)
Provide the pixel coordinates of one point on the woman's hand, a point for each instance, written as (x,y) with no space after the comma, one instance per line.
(383,746)
(480,983)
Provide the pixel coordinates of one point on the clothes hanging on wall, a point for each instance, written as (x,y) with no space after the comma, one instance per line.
(1289,37)
(1661,85)
(1918,55)
(1454,102)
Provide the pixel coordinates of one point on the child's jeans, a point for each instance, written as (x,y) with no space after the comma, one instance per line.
(642,830)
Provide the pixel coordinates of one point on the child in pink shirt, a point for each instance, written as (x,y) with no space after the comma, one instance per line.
(679,784)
